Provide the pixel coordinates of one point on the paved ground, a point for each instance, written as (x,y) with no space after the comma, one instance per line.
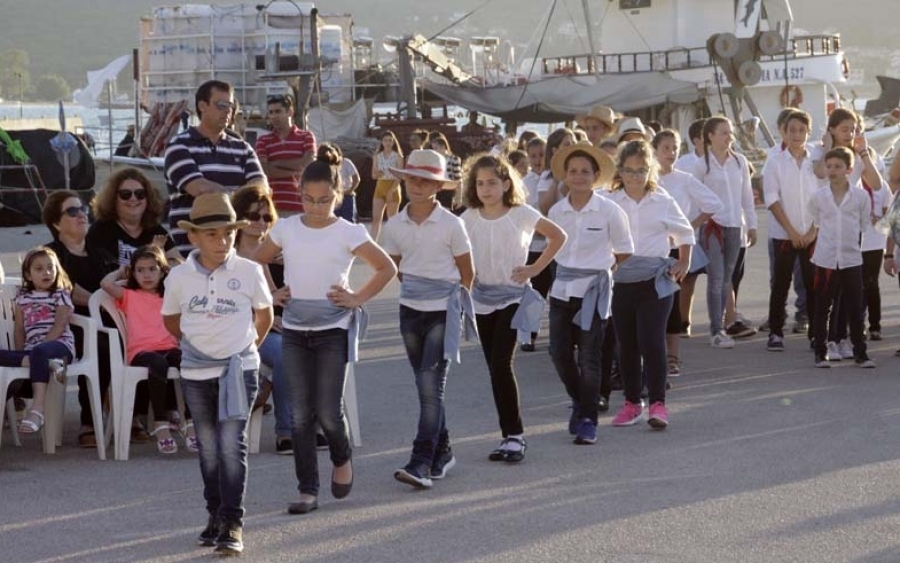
(766,459)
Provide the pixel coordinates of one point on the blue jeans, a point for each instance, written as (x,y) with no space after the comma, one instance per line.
(223,446)
(640,318)
(347,210)
(581,378)
(317,362)
(723,255)
(423,337)
(39,359)
(270,355)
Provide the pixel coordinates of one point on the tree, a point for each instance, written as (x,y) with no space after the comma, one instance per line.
(51,87)
(15,77)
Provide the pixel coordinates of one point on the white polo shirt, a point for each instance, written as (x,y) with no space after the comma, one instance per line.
(731,182)
(596,233)
(499,245)
(840,227)
(216,308)
(791,184)
(692,197)
(652,221)
(427,250)
(316,259)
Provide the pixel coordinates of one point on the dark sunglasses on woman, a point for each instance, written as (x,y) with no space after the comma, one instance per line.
(255,216)
(75,211)
(140,194)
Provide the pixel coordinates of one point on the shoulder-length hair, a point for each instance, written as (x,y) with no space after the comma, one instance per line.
(61,281)
(104,203)
(642,149)
(501,167)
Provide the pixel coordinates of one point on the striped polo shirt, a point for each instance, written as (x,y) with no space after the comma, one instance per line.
(272,148)
(189,155)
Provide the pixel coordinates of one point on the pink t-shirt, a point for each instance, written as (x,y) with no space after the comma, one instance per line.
(144,323)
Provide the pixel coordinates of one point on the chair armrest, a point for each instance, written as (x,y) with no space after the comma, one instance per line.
(89,326)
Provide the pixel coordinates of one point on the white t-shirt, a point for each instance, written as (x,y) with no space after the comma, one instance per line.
(216,308)
(499,245)
(316,259)
(427,250)
(530,182)
(596,233)
(384,163)
(348,171)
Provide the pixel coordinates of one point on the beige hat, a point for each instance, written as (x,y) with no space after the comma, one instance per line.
(632,125)
(603,114)
(211,211)
(604,162)
(424,163)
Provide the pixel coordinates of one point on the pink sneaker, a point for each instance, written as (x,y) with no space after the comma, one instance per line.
(629,415)
(659,416)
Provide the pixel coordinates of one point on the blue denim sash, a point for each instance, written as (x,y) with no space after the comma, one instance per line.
(527,318)
(699,259)
(597,297)
(641,268)
(233,403)
(322,312)
(460,308)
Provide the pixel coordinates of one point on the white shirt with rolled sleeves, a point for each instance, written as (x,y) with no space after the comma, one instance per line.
(428,249)
(791,184)
(873,239)
(216,308)
(691,195)
(653,220)
(316,259)
(596,234)
(730,181)
(840,227)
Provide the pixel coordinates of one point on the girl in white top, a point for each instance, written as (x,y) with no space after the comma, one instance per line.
(644,290)
(873,242)
(698,204)
(500,227)
(387,186)
(551,189)
(598,238)
(319,249)
(727,174)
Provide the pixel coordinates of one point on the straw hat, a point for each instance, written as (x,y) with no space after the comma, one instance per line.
(211,211)
(603,160)
(424,163)
(632,125)
(603,114)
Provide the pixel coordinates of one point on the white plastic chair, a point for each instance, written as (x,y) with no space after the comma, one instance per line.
(124,378)
(54,408)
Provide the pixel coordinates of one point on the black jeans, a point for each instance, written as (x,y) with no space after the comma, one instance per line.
(581,378)
(639,315)
(498,342)
(831,285)
(872,303)
(784,257)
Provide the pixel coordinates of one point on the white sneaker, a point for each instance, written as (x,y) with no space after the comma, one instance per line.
(832,353)
(721,340)
(846,349)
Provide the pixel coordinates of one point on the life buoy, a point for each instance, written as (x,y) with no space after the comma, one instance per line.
(791,96)
(845,67)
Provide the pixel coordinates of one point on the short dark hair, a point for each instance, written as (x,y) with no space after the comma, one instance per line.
(204,92)
(841,153)
(53,209)
(695,130)
(286,100)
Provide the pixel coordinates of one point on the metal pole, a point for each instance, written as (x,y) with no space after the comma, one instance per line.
(590,36)
(109,127)
(21,96)
(136,76)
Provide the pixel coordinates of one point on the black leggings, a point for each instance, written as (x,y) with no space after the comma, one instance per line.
(498,341)
(158,364)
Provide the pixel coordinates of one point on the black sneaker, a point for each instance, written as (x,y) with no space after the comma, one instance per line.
(207,537)
(230,540)
(822,361)
(321,442)
(443,462)
(284,446)
(603,404)
(740,330)
(415,475)
(775,343)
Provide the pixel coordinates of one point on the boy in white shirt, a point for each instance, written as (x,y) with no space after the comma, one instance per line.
(846,212)
(434,257)
(218,306)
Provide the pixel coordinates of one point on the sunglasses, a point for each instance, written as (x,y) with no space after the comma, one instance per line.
(256,216)
(75,211)
(279,99)
(224,105)
(140,194)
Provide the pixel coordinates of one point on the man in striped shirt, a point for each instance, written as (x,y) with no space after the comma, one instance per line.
(207,158)
(284,153)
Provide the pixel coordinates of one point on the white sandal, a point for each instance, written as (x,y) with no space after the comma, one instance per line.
(28,426)
(166,446)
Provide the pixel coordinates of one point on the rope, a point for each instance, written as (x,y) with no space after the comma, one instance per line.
(536,53)
(460,20)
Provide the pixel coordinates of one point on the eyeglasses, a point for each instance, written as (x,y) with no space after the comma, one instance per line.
(75,211)
(307,200)
(635,172)
(140,194)
(256,216)
(224,105)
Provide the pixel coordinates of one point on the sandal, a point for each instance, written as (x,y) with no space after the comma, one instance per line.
(190,440)
(139,434)
(515,456)
(87,439)
(500,453)
(165,446)
(673,366)
(28,426)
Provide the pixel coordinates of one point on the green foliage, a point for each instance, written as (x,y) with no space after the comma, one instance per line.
(15,76)
(51,87)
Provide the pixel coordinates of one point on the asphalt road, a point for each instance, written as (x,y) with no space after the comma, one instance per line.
(766,459)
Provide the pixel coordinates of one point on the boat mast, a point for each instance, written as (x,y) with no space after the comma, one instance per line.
(590,36)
